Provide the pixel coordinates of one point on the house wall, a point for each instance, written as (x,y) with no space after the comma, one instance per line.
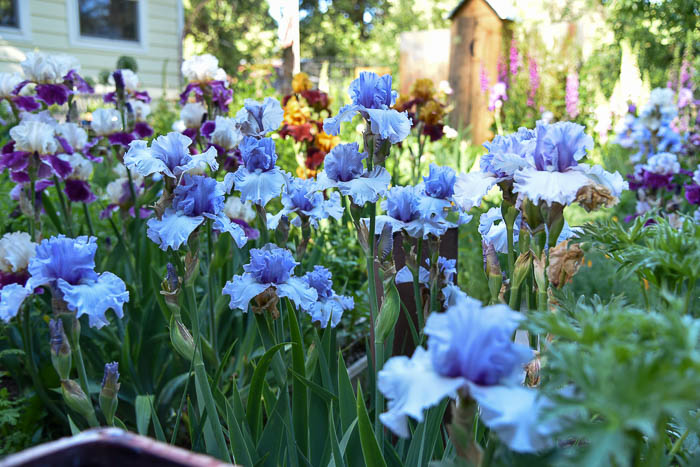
(476,38)
(52,28)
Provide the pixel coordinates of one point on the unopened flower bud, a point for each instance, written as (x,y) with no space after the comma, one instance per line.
(181,339)
(76,399)
(493,270)
(60,349)
(522,268)
(109,392)
(170,289)
(539,269)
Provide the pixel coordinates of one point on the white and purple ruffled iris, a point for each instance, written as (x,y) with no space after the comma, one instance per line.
(259,179)
(555,175)
(259,118)
(330,306)
(470,350)
(303,198)
(403,212)
(344,170)
(169,155)
(372,97)
(269,267)
(196,199)
(67,266)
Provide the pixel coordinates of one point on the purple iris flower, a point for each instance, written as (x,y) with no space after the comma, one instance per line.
(270,267)
(372,97)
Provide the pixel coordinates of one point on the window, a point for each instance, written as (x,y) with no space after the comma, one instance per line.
(109,19)
(9,14)
(114,25)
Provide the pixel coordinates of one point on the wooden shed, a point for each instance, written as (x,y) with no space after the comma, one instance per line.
(477,33)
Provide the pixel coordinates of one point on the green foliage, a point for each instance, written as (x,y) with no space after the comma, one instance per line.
(621,376)
(659,30)
(127,62)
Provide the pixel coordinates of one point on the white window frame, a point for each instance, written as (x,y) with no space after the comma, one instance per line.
(118,45)
(23,31)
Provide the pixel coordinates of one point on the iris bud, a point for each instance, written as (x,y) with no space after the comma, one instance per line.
(181,339)
(110,389)
(77,400)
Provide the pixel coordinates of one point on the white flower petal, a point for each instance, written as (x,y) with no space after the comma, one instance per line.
(471,187)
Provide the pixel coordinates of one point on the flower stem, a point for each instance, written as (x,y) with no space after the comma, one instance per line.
(210,285)
(416,285)
(88,219)
(64,206)
(371,279)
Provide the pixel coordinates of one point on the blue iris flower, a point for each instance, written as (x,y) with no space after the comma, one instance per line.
(330,306)
(403,212)
(270,267)
(343,169)
(372,97)
(259,179)
(196,199)
(438,190)
(555,174)
(303,198)
(470,349)
(259,118)
(169,155)
(67,267)
(508,153)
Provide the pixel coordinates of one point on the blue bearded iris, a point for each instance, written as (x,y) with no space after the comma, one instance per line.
(403,212)
(259,179)
(506,155)
(438,190)
(555,175)
(259,118)
(196,199)
(168,155)
(330,306)
(344,170)
(372,98)
(303,198)
(67,267)
(270,269)
(470,350)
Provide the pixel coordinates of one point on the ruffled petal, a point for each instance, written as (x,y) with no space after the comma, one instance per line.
(433,207)
(94,298)
(411,386)
(173,229)
(405,276)
(331,125)
(323,181)
(11,298)
(550,187)
(471,187)
(198,161)
(273,220)
(423,227)
(513,413)
(333,207)
(242,289)
(368,188)
(259,187)
(298,291)
(222,223)
(140,158)
(389,124)
(330,310)
(612,181)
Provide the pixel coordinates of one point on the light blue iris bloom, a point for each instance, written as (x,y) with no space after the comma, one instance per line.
(508,153)
(344,170)
(303,198)
(372,98)
(470,351)
(168,155)
(330,306)
(438,190)
(67,267)
(403,212)
(259,179)
(555,175)
(447,269)
(269,267)
(196,199)
(259,118)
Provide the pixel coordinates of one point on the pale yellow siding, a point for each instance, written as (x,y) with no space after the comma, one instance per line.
(48,31)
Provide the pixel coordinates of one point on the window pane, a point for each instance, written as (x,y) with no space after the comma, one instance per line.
(109,19)
(8,13)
